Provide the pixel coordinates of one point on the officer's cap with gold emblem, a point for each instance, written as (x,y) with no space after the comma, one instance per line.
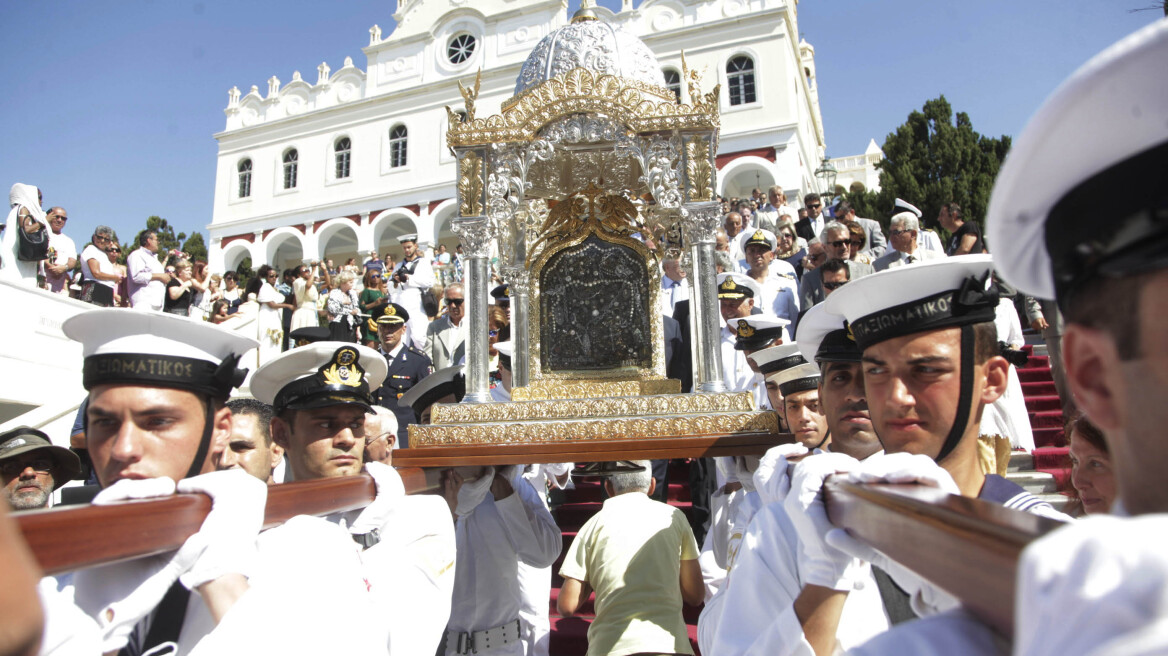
(760,238)
(502,294)
(410,237)
(797,379)
(319,375)
(737,286)
(823,336)
(952,292)
(394,315)
(775,359)
(1081,194)
(435,387)
(155,349)
(757,331)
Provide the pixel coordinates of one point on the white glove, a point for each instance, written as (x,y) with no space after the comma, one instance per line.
(119,595)
(772,479)
(819,564)
(472,493)
(389,490)
(900,468)
(226,542)
(905,468)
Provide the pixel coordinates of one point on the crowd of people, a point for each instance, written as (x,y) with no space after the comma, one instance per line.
(885,363)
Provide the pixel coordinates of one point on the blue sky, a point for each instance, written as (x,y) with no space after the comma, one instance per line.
(111,105)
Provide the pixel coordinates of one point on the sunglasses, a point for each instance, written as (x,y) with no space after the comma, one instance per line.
(834,285)
(113,250)
(840,243)
(454,301)
(39,465)
(814,207)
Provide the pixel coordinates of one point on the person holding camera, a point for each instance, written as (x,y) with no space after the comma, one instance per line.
(26,240)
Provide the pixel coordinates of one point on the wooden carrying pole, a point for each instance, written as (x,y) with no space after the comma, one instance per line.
(968,547)
(74,538)
(78,537)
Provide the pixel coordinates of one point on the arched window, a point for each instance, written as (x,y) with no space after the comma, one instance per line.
(245,178)
(673,82)
(344,149)
(460,48)
(397,146)
(290,160)
(740,80)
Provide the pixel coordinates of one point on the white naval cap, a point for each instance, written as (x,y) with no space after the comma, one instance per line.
(157,349)
(756,330)
(320,374)
(504,348)
(1082,191)
(410,237)
(438,385)
(797,379)
(777,358)
(823,336)
(901,206)
(954,291)
(737,285)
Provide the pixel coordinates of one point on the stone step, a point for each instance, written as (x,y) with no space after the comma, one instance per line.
(1020,461)
(1034,482)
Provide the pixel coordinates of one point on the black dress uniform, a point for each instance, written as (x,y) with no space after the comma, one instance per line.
(405,370)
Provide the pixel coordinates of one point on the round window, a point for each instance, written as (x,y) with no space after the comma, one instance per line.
(460,48)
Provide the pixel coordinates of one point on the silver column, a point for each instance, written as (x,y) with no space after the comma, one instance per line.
(520,281)
(474,233)
(700,221)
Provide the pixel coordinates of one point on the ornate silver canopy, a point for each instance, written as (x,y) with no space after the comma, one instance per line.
(593,45)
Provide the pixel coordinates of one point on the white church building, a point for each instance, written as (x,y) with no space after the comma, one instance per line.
(342,164)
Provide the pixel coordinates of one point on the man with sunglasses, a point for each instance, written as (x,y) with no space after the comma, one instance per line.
(810,227)
(446,335)
(837,242)
(903,231)
(875,244)
(31,468)
(62,252)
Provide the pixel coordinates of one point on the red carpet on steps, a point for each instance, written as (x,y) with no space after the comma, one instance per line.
(1046,419)
(570,635)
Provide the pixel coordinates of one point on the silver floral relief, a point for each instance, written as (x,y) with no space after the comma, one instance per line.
(583,128)
(701,221)
(658,156)
(594,300)
(594,45)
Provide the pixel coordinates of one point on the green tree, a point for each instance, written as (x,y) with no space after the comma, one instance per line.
(195,247)
(935,158)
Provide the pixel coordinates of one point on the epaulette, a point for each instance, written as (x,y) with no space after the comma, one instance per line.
(415,350)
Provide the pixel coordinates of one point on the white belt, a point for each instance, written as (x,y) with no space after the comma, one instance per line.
(462,642)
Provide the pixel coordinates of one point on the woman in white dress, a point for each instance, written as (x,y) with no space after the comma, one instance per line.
(1008,416)
(269,330)
(304,288)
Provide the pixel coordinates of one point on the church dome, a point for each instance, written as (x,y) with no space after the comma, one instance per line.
(592,44)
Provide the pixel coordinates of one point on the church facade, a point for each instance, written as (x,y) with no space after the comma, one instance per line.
(345,164)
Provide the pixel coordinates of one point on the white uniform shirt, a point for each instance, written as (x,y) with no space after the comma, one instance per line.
(61,249)
(409,296)
(491,542)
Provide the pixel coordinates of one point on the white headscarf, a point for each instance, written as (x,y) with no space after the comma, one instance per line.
(11,267)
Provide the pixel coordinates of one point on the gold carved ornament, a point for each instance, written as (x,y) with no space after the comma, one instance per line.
(590,210)
(470,185)
(640,107)
(701,174)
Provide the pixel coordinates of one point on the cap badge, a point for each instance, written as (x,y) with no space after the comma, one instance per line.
(851,336)
(343,369)
(745,329)
(391,310)
(758,235)
(729,284)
